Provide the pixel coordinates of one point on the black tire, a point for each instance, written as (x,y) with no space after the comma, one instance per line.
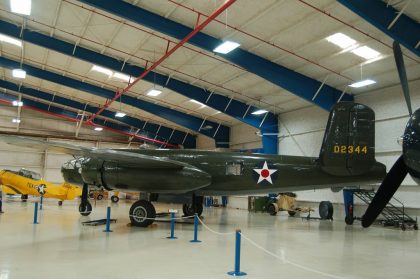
(188,209)
(415,227)
(271,209)
(142,209)
(24,198)
(403,227)
(60,203)
(99,197)
(291,213)
(326,210)
(85,210)
(115,199)
(349,220)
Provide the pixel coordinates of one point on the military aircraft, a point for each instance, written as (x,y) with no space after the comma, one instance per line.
(408,162)
(347,157)
(25,182)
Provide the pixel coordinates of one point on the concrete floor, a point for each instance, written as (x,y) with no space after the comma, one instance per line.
(61,247)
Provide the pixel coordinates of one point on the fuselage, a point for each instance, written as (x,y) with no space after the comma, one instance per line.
(229,173)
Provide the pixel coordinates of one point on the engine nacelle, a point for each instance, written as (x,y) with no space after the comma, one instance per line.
(116,175)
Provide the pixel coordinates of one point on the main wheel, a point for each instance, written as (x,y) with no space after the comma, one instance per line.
(99,197)
(188,209)
(85,209)
(326,210)
(115,199)
(139,211)
(60,203)
(24,198)
(271,209)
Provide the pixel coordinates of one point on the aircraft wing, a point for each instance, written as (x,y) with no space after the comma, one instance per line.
(122,156)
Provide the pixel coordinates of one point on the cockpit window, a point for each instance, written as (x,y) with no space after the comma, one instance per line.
(29,174)
(234,168)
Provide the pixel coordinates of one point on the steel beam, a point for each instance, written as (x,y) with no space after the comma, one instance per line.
(149,132)
(405,30)
(180,118)
(298,84)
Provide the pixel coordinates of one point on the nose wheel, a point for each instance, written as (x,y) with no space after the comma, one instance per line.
(85,208)
(142,213)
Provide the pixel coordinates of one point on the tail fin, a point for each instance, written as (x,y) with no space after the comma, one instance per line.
(348,147)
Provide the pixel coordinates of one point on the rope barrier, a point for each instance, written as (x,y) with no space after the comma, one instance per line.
(213,231)
(290,262)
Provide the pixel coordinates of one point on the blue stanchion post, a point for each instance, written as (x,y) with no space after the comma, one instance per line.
(195,229)
(237,271)
(36,213)
(108,220)
(172,226)
(40,203)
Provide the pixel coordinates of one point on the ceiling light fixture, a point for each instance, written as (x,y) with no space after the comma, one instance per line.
(258,112)
(102,70)
(17,103)
(120,114)
(362,83)
(16,120)
(98,128)
(18,73)
(366,52)
(226,47)
(21,6)
(198,103)
(341,40)
(10,40)
(121,76)
(154,92)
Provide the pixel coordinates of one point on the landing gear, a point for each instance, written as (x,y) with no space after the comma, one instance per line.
(188,209)
(60,203)
(142,213)
(99,197)
(24,198)
(326,210)
(85,208)
(115,199)
(271,209)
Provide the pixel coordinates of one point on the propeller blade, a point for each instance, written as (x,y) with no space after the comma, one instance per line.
(388,187)
(399,60)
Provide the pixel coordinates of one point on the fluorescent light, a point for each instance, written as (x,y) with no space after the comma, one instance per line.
(341,40)
(98,128)
(102,70)
(17,103)
(10,40)
(198,103)
(153,92)
(258,112)
(18,73)
(16,120)
(226,47)
(362,83)
(120,114)
(21,6)
(366,52)
(121,76)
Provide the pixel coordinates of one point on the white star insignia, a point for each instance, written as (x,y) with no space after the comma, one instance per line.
(265,173)
(41,189)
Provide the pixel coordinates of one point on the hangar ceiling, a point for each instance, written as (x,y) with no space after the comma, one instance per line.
(288,33)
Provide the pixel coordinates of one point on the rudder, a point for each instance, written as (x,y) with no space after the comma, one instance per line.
(348,147)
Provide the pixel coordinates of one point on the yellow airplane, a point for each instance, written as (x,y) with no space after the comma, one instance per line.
(25,182)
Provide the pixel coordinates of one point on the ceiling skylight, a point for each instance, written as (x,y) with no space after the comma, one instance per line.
(366,52)
(21,6)
(362,83)
(10,40)
(341,40)
(226,47)
(102,70)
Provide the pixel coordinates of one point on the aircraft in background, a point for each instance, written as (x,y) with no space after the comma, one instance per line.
(408,162)
(25,182)
(347,158)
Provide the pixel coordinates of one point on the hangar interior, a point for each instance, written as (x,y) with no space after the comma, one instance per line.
(271,95)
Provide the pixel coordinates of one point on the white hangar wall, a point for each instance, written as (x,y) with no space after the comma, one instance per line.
(306,127)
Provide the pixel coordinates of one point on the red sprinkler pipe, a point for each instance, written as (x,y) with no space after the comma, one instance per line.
(197,29)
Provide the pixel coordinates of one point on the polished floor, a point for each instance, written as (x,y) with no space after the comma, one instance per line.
(61,247)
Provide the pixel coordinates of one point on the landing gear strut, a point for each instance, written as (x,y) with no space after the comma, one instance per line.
(142,213)
(85,208)
(195,207)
